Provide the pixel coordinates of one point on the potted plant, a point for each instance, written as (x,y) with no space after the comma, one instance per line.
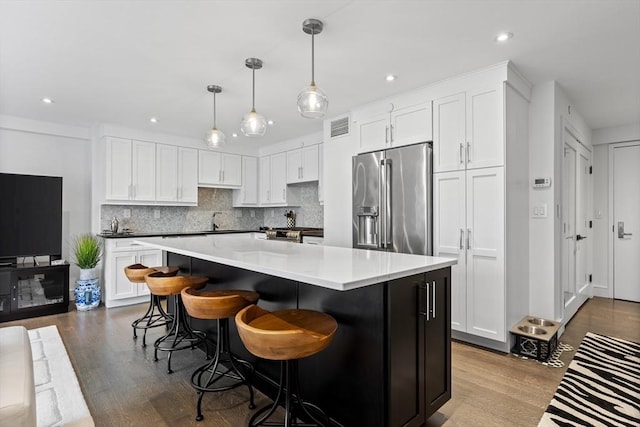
(87,251)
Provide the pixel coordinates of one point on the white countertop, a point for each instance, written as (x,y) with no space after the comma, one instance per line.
(327,266)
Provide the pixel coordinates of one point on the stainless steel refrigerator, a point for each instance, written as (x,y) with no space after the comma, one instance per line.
(392,202)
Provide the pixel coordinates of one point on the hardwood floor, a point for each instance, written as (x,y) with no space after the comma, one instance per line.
(124,387)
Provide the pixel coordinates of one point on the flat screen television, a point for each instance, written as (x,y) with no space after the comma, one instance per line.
(30,215)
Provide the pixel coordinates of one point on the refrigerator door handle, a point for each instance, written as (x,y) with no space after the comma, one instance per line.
(382,232)
(387,203)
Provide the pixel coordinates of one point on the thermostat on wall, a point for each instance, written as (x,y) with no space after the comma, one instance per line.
(541,182)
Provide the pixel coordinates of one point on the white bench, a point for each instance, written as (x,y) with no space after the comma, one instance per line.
(17,390)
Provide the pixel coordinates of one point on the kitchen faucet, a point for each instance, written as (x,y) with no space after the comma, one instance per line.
(214,226)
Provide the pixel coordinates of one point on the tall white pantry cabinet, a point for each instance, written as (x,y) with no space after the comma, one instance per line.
(481,200)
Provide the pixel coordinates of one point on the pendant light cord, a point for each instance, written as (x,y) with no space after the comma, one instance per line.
(253,92)
(313,79)
(214,111)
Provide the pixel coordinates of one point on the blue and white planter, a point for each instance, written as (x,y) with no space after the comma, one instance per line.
(87,290)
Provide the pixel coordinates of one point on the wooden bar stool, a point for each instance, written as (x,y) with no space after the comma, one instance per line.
(155,315)
(286,335)
(180,336)
(222,372)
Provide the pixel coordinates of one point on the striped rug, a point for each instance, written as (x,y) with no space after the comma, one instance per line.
(601,386)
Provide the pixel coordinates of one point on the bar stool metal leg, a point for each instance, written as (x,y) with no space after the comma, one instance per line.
(204,378)
(151,319)
(179,337)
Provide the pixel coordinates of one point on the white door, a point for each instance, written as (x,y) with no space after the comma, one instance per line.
(232,169)
(310,163)
(449,137)
(264,181)
(150,258)
(121,286)
(449,227)
(576,242)
(166,173)
(411,124)
(294,166)
(143,170)
(279,178)
(626,217)
(373,132)
(187,175)
(209,167)
(118,154)
(485,253)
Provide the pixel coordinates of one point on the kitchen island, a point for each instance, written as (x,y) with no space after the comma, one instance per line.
(390,361)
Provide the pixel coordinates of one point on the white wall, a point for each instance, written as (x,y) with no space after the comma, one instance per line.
(549,111)
(602,223)
(39,148)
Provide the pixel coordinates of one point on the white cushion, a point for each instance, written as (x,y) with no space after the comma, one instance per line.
(17,390)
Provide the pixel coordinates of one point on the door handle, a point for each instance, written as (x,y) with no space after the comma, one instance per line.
(433,298)
(461,153)
(579,237)
(461,237)
(621,233)
(423,296)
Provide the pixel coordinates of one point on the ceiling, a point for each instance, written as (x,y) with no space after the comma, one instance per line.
(123,62)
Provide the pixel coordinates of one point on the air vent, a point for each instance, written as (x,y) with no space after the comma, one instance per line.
(340,127)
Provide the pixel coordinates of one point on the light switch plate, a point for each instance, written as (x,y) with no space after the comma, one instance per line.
(126,213)
(539,211)
(156,213)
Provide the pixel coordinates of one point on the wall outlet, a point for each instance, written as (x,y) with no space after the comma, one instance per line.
(238,213)
(156,213)
(252,213)
(273,213)
(126,213)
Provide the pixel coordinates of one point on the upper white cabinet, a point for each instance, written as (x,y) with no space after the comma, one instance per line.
(401,126)
(216,169)
(247,195)
(468,129)
(273,190)
(176,174)
(302,164)
(130,170)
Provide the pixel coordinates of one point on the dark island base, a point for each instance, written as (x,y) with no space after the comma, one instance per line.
(377,369)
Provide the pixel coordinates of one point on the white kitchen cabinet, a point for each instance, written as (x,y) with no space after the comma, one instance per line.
(468,129)
(401,126)
(469,225)
(130,170)
(119,253)
(321,174)
(247,195)
(273,189)
(216,169)
(302,164)
(177,174)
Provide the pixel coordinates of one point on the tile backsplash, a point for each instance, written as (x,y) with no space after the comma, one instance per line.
(199,218)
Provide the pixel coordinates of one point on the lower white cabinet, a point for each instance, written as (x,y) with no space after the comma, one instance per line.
(119,253)
(469,223)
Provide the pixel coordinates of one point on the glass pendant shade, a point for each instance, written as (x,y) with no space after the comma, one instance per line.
(312,102)
(253,124)
(215,138)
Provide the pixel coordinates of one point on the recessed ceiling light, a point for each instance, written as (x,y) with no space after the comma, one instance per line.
(390,77)
(235,135)
(48,100)
(270,122)
(153,120)
(503,37)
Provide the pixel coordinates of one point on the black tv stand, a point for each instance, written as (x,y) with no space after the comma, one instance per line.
(28,290)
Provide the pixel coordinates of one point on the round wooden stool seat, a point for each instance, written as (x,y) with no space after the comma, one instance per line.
(155,315)
(225,370)
(160,283)
(218,304)
(136,272)
(285,334)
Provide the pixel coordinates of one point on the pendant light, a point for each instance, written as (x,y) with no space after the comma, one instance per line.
(253,124)
(214,138)
(312,101)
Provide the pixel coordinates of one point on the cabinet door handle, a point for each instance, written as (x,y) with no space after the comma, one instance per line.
(461,153)
(391,133)
(386,134)
(433,298)
(468,152)
(468,238)
(461,237)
